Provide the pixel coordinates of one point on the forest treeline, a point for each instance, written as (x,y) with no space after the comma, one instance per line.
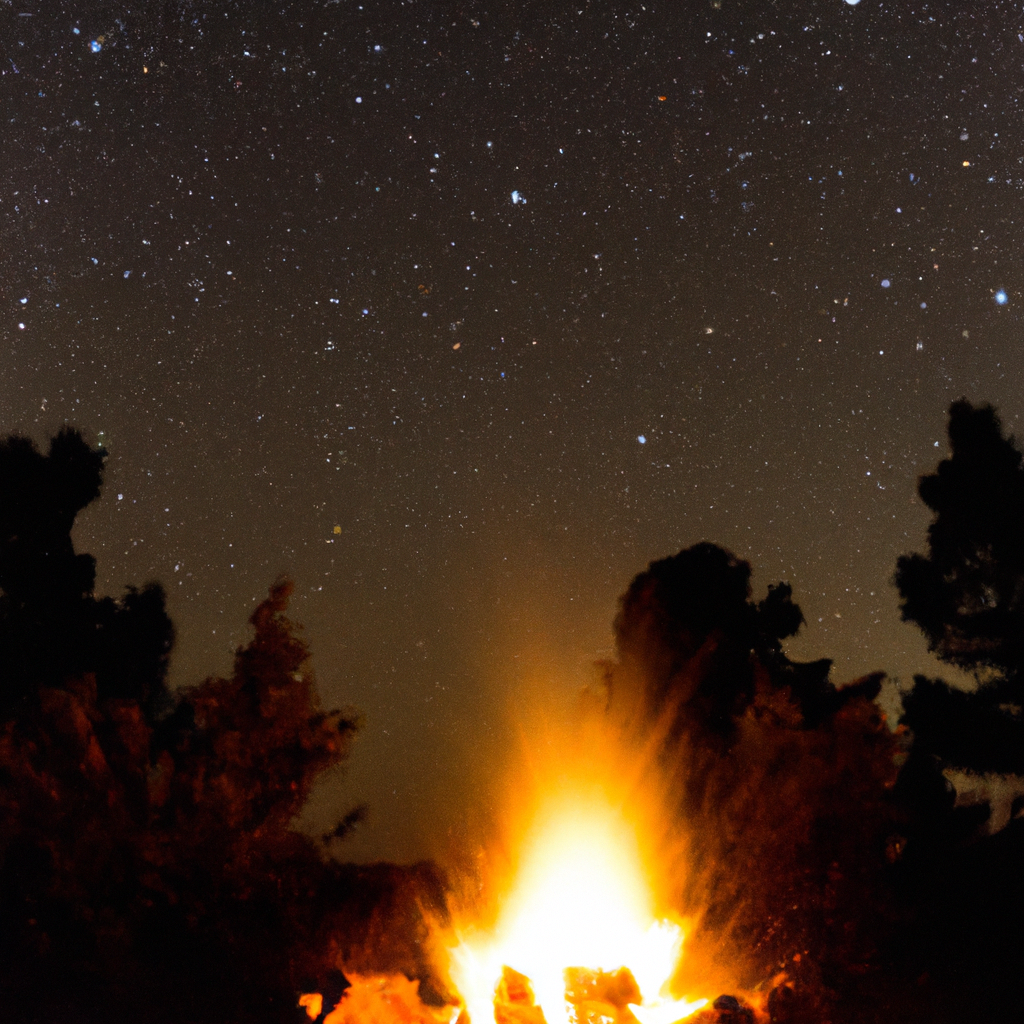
(822,842)
(150,871)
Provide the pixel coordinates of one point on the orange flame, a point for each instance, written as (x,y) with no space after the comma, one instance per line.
(581,901)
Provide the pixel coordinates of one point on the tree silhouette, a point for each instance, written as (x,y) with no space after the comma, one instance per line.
(966,593)
(967,596)
(148,865)
(688,629)
(152,851)
(52,628)
(771,764)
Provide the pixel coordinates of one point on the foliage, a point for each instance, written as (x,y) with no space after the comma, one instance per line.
(52,628)
(772,766)
(967,596)
(686,629)
(148,865)
(967,593)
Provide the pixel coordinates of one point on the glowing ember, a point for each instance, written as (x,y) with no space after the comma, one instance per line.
(581,901)
(378,999)
(312,1003)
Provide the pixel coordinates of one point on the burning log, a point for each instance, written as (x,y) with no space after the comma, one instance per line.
(601,997)
(783,1005)
(377,999)
(726,1009)
(514,1001)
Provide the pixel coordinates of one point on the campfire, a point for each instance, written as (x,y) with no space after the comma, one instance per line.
(703,775)
(565,925)
(577,939)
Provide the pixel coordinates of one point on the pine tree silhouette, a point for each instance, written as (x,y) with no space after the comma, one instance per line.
(964,888)
(967,596)
(52,628)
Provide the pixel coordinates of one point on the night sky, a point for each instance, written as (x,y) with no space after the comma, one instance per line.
(461,313)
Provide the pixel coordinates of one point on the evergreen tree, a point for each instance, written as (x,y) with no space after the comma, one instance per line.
(967,596)
(963,888)
(52,628)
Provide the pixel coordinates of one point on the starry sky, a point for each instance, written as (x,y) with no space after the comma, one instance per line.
(459,313)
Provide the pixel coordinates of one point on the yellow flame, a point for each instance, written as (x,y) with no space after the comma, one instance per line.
(581,901)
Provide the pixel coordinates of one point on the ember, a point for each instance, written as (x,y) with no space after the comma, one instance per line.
(378,999)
